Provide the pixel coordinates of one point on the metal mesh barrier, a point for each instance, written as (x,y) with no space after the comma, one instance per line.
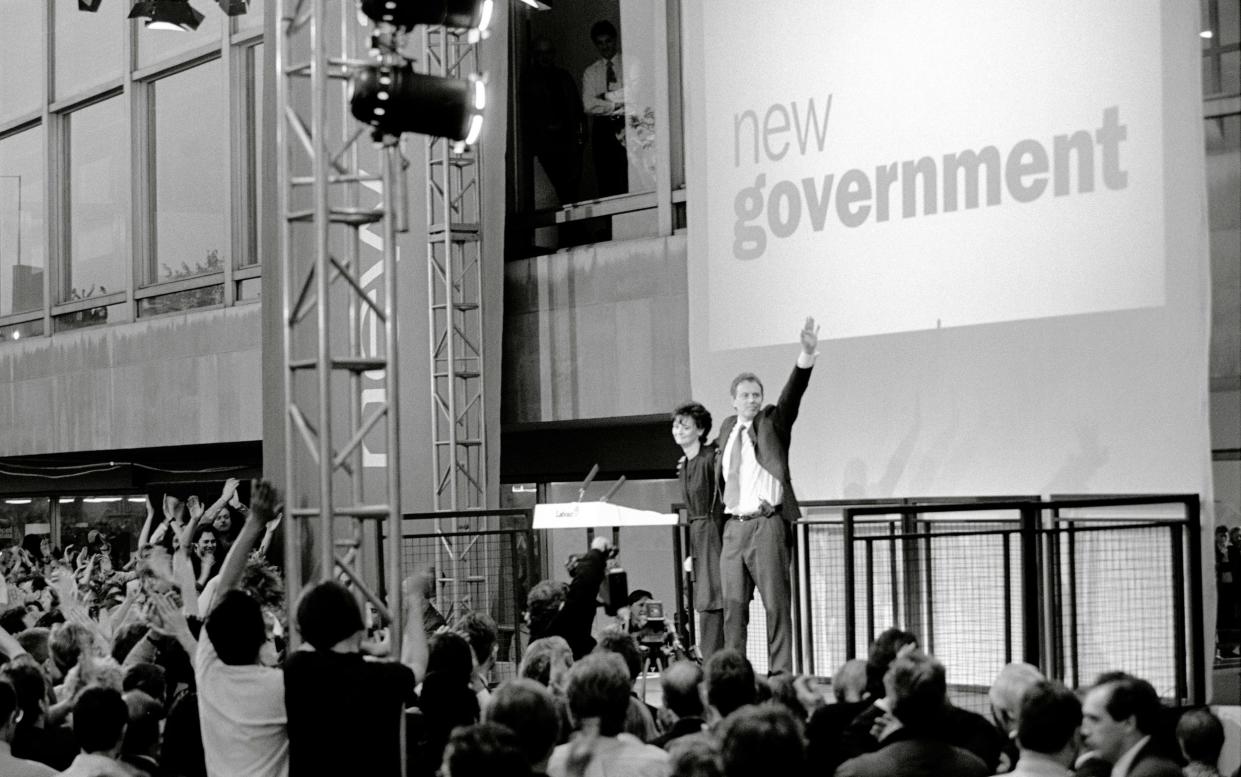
(494,571)
(1115,594)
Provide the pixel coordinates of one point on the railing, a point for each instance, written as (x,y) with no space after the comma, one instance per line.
(494,569)
(1075,586)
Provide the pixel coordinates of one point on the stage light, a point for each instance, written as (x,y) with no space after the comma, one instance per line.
(167,14)
(394,99)
(90,6)
(233,7)
(407,14)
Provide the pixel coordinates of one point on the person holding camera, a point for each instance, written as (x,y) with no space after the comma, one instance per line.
(557,609)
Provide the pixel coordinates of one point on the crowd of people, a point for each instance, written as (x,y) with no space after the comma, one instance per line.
(1228,591)
(187,675)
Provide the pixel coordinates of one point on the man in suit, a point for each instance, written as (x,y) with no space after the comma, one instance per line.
(1119,717)
(759,505)
(911,746)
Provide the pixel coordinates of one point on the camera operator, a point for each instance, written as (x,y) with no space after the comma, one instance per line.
(556,609)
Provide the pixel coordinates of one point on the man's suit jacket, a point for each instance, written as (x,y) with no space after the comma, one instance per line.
(1150,763)
(903,755)
(771,432)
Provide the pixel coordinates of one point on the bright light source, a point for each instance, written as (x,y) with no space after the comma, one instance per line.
(18,501)
(17,334)
(65,500)
(539,5)
(480,95)
(476,129)
(101,499)
(167,14)
(137,499)
(1207,34)
(406,14)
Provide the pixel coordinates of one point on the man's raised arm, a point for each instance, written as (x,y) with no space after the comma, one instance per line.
(790,398)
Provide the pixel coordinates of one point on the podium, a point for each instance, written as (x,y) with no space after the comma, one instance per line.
(596,515)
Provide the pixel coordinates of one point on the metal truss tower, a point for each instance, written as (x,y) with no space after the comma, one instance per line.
(455,309)
(339,344)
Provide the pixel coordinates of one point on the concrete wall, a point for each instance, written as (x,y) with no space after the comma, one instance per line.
(182,379)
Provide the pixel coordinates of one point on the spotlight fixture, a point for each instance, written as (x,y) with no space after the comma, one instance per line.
(233,7)
(407,14)
(394,99)
(90,6)
(167,14)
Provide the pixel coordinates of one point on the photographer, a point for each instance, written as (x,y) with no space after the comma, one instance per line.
(554,609)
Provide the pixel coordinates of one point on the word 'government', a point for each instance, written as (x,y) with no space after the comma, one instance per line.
(925,186)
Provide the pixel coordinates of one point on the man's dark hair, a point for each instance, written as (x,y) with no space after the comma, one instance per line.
(8,701)
(598,687)
(543,603)
(1047,717)
(613,640)
(30,685)
(485,748)
(764,739)
(36,641)
(1201,735)
(448,655)
(882,653)
(99,718)
(236,628)
(326,614)
(742,378)
(602,27)
(530,711)
(144,715)
(1133,697)
(696,413)
(730,681)
(918,689)
(681,686)
(695,755)
(127,637)
(13,619)
(479,629)
(148,678)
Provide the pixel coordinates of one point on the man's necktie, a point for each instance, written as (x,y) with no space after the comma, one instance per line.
(611,76)
(732,482)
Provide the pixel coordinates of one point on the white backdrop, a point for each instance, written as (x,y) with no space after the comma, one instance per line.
(1045,332)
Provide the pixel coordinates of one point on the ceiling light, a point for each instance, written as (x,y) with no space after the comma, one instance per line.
(17,501)
(406,14)
(394,99)
(1208,34)
(167,14)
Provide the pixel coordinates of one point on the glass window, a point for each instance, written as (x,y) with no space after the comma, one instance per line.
(22,517)
(107,525)
(156,45)
(190,117)
(14,332)
(21,57)
(588,101)
(23,253)
(254,153)
(91,317)
(182,300)
(90,47)
(98,190)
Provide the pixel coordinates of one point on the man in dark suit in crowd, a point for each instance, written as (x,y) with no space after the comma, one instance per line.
(1119,718)
(759,505)
(911,745)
